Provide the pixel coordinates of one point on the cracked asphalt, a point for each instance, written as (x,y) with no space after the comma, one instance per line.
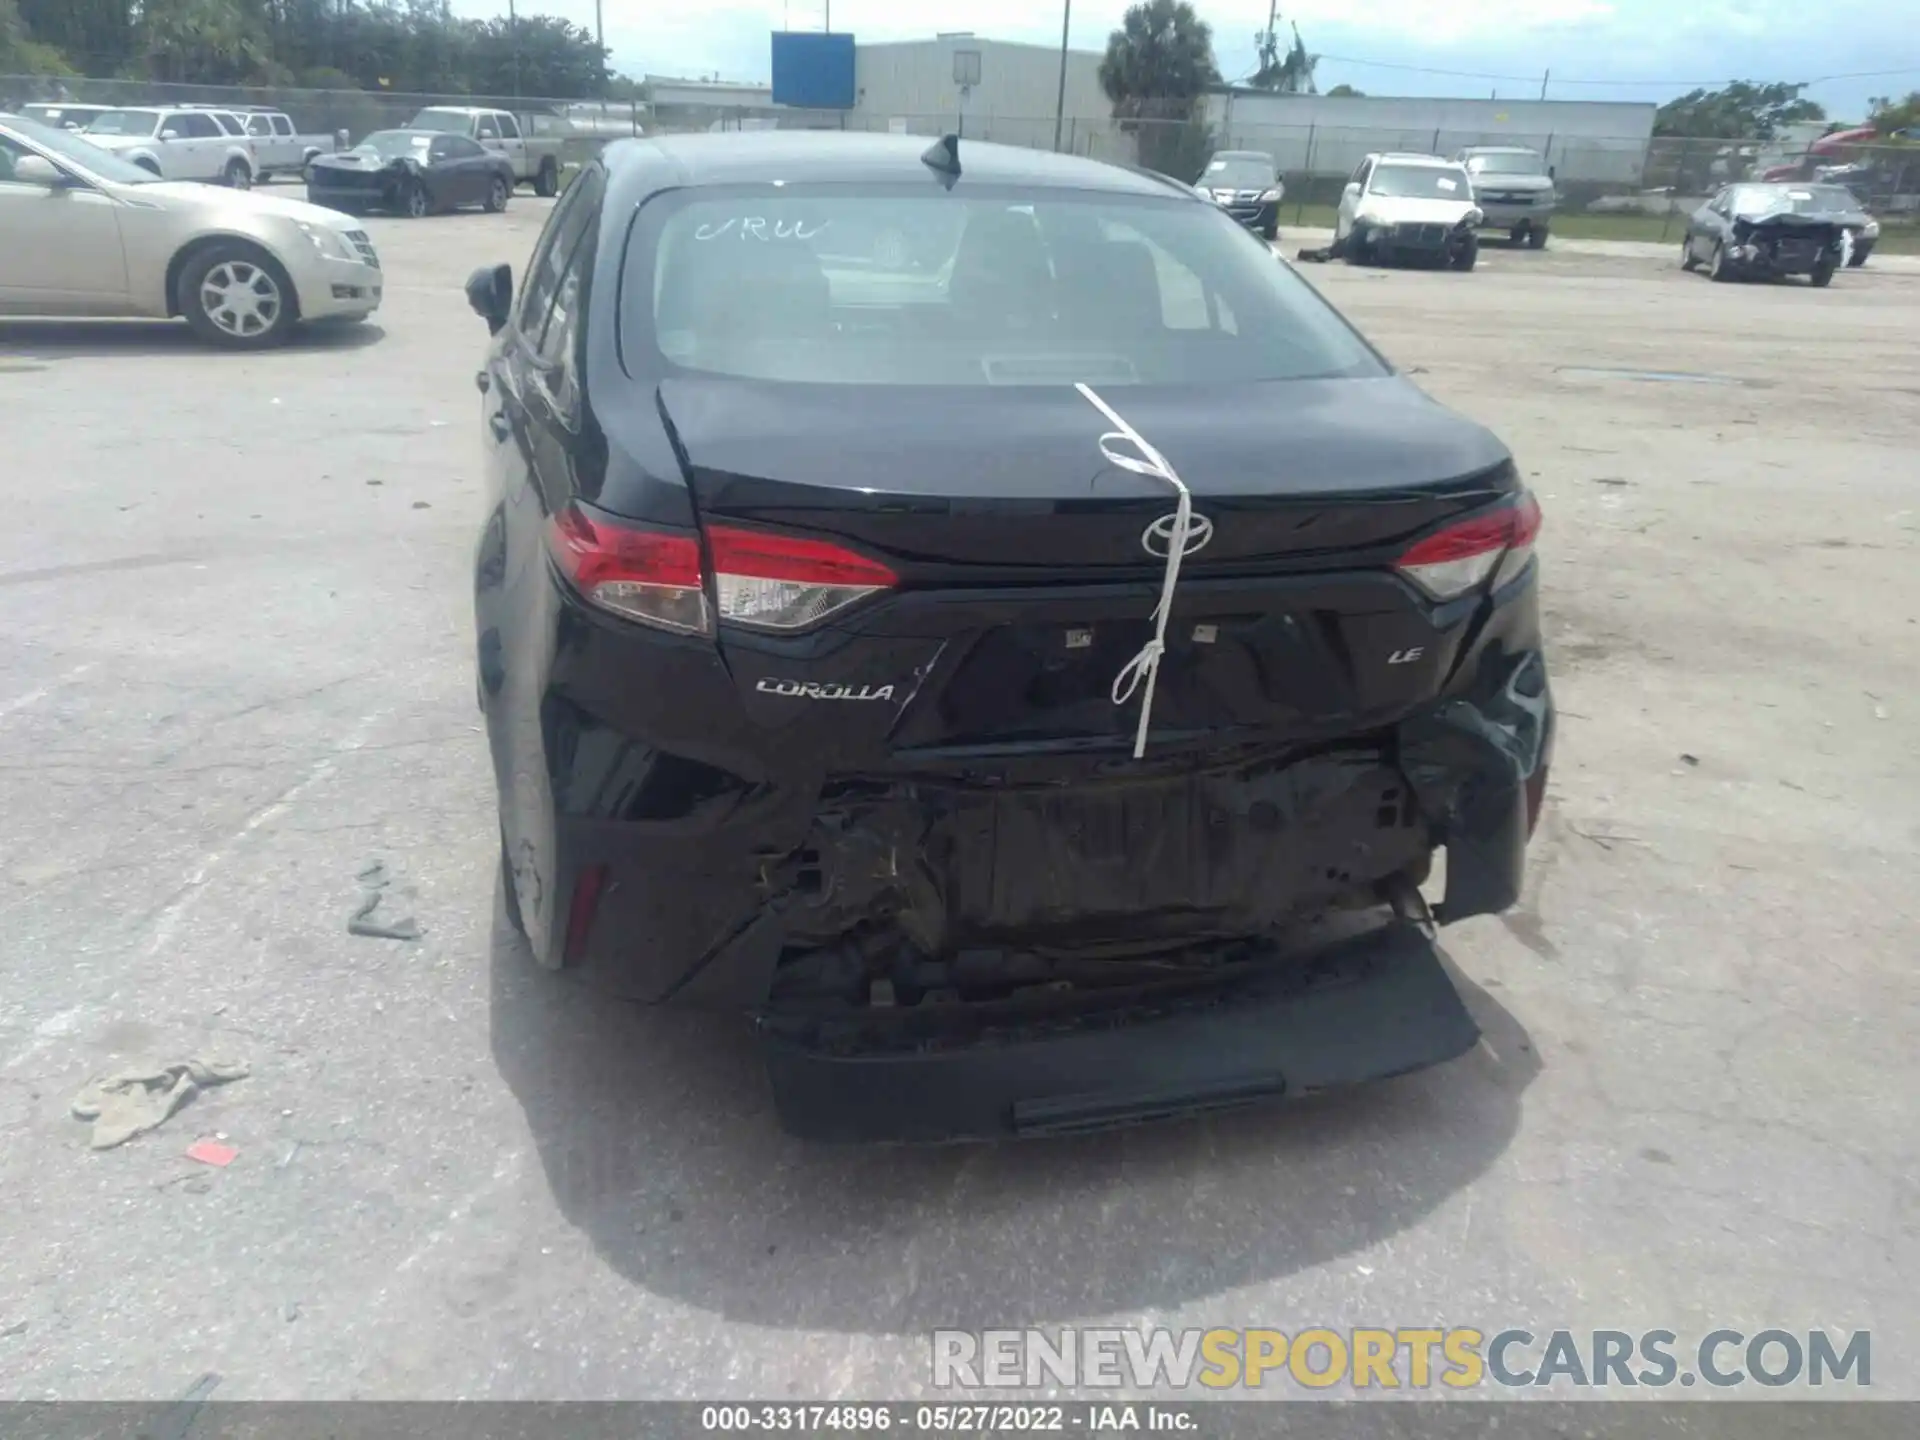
(235,667)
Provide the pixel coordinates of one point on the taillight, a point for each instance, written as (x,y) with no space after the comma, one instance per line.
(781,582)
(1495,543)
(652,576)
(763,581)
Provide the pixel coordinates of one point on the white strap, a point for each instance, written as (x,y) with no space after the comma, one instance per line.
(1144,668)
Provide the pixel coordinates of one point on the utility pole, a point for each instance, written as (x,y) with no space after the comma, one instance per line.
(513,40)
(1060,101)
(1543,83)
(600,39)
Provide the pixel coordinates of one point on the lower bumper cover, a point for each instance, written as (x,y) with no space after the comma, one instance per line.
(333,288)
(1365,1009)
(1513,217)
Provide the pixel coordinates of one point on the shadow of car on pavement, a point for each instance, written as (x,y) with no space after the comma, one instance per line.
(68,339)
(658,1140)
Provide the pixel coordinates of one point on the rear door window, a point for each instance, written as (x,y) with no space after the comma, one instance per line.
(555,248)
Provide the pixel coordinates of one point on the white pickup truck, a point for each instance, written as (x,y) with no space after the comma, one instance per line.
(535,161)
(281,149)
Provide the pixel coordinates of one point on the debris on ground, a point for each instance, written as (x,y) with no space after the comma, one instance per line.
(1319,256)
(19,1327)
(140,1098)
(212,1152)
(1690,759)
(375,879)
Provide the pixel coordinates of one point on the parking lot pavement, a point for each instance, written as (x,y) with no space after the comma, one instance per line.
(235,667)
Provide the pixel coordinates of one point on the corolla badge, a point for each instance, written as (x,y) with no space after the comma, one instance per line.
(811,690)
(1159,535)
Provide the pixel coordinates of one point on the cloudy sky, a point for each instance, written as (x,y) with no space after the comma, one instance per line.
(1632,49)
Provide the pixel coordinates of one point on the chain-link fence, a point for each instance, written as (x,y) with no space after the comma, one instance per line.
(1636,178)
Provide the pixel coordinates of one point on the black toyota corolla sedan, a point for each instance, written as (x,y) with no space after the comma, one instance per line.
(1016,671)
(413,173)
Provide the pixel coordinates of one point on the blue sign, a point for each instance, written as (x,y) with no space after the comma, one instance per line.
(813,71)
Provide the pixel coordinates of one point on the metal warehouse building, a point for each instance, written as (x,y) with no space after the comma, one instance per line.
(1006,91)
(1588,142)
(924,87)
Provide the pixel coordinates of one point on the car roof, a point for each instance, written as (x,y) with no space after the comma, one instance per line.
(815,156)
(1242,155)
(1498,150)
(1414,157)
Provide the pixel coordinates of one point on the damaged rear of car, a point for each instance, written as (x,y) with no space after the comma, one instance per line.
(836,673)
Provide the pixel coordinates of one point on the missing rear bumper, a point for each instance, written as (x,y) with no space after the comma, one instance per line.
(1365,1009)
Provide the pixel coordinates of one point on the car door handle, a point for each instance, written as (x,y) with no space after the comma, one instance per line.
(501,426)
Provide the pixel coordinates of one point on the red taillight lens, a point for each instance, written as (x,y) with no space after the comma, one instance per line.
(581,913)
(1496,543)
(782,582)
(652,576)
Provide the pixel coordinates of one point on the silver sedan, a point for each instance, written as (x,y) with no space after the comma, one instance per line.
(89,234)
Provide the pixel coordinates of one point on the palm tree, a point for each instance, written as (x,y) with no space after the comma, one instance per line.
(1159,61)
(1157,66)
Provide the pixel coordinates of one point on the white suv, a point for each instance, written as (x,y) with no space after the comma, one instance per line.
(1409,207)
(176,144)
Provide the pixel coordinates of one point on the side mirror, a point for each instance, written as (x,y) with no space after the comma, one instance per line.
(490,293)
(37,170)
(169,134)
(1552,174)
(1352,191)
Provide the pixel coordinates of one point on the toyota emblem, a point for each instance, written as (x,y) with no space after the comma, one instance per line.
(1158,537)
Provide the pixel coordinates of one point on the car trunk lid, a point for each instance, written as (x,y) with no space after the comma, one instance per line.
(1025,576)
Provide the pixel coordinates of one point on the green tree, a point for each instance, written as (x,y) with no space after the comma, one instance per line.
(204,42)
(20,53)
(1743,110)
(1345,92)
(538,56)
(1889,115)
(1158,65)
(96,36)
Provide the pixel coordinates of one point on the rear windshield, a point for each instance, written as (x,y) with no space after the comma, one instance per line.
(828,285)
(452,122)
(1506,163)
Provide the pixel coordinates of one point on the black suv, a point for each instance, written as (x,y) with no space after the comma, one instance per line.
(1246,184)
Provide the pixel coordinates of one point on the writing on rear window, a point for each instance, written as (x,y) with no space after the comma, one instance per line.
(757,227)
